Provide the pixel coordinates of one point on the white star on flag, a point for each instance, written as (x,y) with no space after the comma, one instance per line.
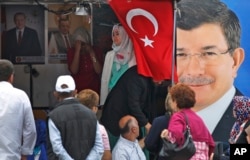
(147,42)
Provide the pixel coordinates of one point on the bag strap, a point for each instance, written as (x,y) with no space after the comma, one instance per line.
(187,122)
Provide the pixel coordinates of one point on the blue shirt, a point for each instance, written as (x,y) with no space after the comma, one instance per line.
(56,142)
(127,150)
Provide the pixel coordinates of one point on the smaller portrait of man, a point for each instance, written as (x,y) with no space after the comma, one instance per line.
(21,40)
(61,27)
(61,40)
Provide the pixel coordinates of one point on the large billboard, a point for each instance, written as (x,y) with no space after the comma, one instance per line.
(241,8)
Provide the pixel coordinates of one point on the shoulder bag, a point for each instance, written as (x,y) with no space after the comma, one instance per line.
(171,151)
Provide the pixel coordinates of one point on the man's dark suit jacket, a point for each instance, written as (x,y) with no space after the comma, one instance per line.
(153,141)
(223,128)
(29,46)
(60,42)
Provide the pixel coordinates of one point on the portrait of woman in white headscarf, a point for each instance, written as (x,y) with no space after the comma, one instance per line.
(117,61)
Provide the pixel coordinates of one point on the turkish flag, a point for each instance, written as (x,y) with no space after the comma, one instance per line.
(149,23)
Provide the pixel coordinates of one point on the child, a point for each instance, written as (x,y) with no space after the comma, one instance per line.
(90,99)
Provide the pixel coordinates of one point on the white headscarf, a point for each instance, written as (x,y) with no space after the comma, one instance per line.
(124,52)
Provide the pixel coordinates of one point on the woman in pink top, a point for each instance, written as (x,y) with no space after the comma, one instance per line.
(182,99)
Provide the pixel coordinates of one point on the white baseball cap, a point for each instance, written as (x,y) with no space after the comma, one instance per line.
(65,83)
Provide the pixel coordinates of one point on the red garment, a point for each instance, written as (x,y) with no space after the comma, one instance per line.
(198,129)
(153,44)
(86,78)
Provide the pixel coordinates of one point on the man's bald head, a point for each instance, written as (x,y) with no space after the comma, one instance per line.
(128,124)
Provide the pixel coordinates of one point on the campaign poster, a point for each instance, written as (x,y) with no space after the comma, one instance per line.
(241,8)
(22,34)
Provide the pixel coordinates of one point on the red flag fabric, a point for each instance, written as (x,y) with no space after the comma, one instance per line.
(149,23)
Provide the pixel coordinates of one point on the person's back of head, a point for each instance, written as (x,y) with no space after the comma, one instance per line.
(183,95)
(89,98)
(65,87)
(129,128)
(6,71)
(194,13)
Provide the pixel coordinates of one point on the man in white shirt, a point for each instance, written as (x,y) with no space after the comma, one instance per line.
(17,124)
(128,147)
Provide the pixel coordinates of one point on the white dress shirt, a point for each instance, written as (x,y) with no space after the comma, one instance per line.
(216,110)
(17,124)
(127,150)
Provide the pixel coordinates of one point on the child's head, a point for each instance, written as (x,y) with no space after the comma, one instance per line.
(89,98)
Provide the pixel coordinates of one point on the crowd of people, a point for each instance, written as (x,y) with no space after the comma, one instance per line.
(208,56)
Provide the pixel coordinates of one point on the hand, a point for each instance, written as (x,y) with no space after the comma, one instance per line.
(92,54)
(78,46)
(89,48)
(148,126)
(211,157)
(248,139)
(164,134)
(23,157)
(141,142)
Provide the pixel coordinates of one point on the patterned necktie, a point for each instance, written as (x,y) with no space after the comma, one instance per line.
(19,37)
(67,42)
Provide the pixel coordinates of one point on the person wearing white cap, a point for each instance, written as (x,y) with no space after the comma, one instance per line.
(73,128)
(85,62)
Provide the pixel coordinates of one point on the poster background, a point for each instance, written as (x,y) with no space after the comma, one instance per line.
(102,27)
(241,8)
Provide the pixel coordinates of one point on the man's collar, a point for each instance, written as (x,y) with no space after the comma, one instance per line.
(216,110)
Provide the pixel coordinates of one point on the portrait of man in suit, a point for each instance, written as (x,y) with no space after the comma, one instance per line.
(61,40)
(21,42)
(61,29)
(208,56)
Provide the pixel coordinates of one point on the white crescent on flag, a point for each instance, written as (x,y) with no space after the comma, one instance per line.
(148,28)
(141,12)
